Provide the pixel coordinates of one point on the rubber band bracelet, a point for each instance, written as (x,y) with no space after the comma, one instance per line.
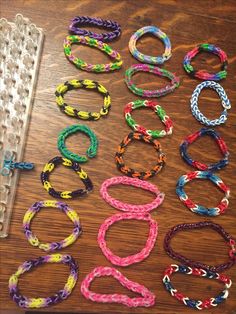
(174,80)
(62,89)
(224,101)
(72,129)
(196,304)
(200,225)
(132,259)
(94,21)
(27,266)
(202,74)
(199,209)
(50,166)
(201,166)
(147,298)
(159,111)
(79,63)
(49,247)
(131,172)
(132,208)
(145,58)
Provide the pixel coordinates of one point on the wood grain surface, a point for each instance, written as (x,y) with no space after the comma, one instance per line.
(187,23)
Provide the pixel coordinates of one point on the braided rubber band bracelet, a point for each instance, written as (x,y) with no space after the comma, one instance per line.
(199,209)
(61,295)
(159,111)
(145,58)
(135,258)
(196,304)
(49,247)
(85,84)
(202,74)
(201,166)
(200,225)
(79,63)
(94,21)
(224,101)
(147,298)
(174,80)
(131,172)
(91,151)
(49,167)
(132,208)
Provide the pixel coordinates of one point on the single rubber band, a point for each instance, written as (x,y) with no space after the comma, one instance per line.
(199,209)
(147,298)
(132,208)
(57,297)
(196,304)
(49,247)
(132,259)
(200,225)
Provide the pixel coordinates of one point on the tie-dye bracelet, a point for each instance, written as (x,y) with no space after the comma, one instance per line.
(160,112)
(201,166)
(145,58)
(91,151)
(146,298)
(143,175)
(79,63)
(196,304)
(49,247)
(57,297)
(56,161)
(132,259)
(85,84)
(174,80)
(202,74)
(224,101)
(199,209)
(200,225)
(132,208)
(94,21)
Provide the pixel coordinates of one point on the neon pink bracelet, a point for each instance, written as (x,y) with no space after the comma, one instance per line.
(147,299)
(133,182)
(135,258)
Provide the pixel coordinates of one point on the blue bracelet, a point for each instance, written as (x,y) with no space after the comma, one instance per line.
(224,100)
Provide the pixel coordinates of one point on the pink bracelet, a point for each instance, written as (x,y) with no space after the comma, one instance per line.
(132,259)
(147,299)
(133,182)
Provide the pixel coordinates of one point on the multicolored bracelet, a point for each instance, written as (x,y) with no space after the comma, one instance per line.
(132,259)
(202,74)
(174,80)
(49,167)
(200,225)
(79,63)
(94,21)
(145,58)
(196,304)
(160,112)
(80,114)
(201,166)
(132,208)
(224,101)
(91,151)
(61,295)
(143,175)
(199,209)
(147,298)
(49,247)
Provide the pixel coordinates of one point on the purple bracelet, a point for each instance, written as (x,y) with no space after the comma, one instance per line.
(92,21)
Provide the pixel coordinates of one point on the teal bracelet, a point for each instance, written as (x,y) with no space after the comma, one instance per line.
(91,151)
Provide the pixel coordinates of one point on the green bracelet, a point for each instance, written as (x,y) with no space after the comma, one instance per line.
(91,151)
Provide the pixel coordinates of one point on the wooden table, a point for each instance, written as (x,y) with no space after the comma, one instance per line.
(187,24)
